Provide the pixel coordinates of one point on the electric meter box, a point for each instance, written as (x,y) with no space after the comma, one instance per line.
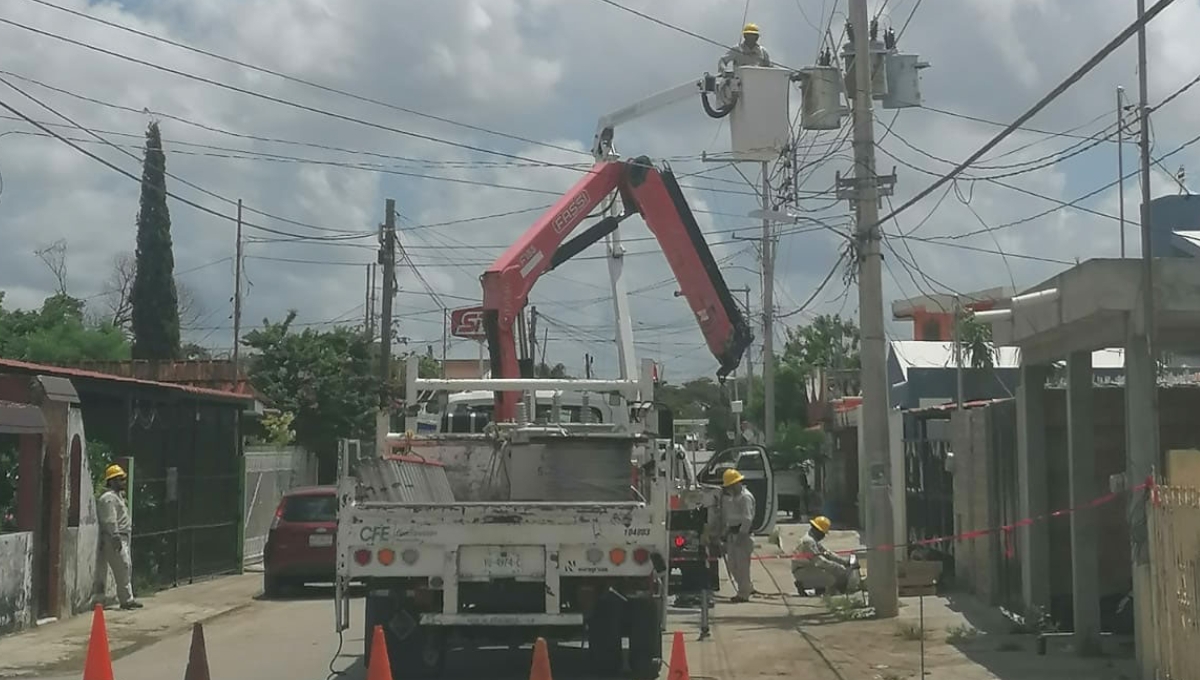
(822,100)
(760,126)
(904,81)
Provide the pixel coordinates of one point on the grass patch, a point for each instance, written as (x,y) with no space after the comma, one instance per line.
(910,630)
(961,633)
(847,608)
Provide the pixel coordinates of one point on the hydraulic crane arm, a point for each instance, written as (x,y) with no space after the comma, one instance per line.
(645,190)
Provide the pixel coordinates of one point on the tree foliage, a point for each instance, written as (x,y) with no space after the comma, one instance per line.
(153,297)
(975,343)
(118,297)
(58,333)
(325,378)
(545,370)
(827,342)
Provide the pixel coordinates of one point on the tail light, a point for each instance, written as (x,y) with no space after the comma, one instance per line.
(278,515)
(362,556)
(617,556)
(386,556)
(410,556)
(680,541)
(640,555)
(676,502)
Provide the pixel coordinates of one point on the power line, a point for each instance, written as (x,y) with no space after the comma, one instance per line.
(1058,90)
(133,177)
(344,233)
(308,83)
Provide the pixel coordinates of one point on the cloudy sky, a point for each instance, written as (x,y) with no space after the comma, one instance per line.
(486,107)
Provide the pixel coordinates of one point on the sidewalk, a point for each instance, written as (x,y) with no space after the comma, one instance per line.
(61,646)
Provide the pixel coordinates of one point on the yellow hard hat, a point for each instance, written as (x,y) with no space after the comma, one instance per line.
(113,472)
(731,477)
(750,28)
(821,523)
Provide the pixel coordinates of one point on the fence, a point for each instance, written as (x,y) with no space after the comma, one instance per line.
(270,472)
(1175,554)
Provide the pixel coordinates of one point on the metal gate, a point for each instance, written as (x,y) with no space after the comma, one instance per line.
(270,472)
(929,486)
(1174,517)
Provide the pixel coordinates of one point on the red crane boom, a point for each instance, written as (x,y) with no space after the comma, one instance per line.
(645,190)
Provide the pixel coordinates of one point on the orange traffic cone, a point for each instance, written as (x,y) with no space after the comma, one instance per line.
(678,670)
(197,665)
(378,666)
(541,661)
(98,665)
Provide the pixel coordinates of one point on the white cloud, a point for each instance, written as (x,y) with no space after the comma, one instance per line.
(543,70)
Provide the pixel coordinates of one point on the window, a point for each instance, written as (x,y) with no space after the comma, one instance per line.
(310,509)
(751,460)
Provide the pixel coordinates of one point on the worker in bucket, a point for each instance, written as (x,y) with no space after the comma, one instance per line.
(746,53)
(811,556)
(737,511)
(115,529)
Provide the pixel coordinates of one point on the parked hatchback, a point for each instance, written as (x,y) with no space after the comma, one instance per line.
(300,545)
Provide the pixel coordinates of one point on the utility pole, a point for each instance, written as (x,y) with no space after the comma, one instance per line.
(874,423)
(958,352)
(1142,446)
(237,291)
(768,271)
(445,338)
(1121,163)
(387,259)
(367,306)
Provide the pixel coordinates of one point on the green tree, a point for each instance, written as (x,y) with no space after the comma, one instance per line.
(544,370)
(153,298)
(975,343)
(57,333)
(827,342)
(326,378)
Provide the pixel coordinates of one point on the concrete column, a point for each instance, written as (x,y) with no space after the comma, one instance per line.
(1081,456)
(1034,499)
(1141,452)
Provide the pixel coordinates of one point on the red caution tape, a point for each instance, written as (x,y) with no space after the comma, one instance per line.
(1006,530)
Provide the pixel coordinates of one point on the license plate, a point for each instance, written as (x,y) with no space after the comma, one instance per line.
(320,541)
(477,562)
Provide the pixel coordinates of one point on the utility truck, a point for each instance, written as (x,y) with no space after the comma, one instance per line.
(530,529)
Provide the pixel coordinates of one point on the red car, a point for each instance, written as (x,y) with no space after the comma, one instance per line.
(300,545)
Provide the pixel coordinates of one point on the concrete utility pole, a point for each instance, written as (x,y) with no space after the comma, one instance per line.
(237,291)
(1121,163)
(387,259)
(768,273)
(874,422)
(958,352)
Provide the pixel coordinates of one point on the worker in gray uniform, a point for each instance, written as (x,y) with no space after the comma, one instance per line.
(115,530)
(747,53)
(737,513)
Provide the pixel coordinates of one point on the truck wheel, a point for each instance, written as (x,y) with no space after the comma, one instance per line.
(604,638)
(645,639)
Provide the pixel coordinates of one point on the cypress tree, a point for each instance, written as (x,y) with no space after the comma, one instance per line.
(154,301)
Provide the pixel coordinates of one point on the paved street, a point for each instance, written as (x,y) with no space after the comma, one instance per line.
(777,635)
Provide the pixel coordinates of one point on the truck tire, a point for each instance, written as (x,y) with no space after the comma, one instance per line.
(272,586)
(604,637)
(645,639)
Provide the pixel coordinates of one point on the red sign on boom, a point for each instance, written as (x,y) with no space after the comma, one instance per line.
(467,322)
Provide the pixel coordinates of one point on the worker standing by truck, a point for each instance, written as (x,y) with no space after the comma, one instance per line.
(737,513)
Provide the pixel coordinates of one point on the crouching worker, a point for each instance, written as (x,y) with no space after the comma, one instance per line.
(815,565)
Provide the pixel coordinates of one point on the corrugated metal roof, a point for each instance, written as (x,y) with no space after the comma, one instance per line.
(61,371)
(18,418)
(930,354)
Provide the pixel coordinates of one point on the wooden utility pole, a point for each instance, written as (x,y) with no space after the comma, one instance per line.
(237,290)
(387,259)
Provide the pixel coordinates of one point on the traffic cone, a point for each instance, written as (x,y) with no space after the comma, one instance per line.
(98,665)
(678,670)
(197,665)
(378,666)
(541,661)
